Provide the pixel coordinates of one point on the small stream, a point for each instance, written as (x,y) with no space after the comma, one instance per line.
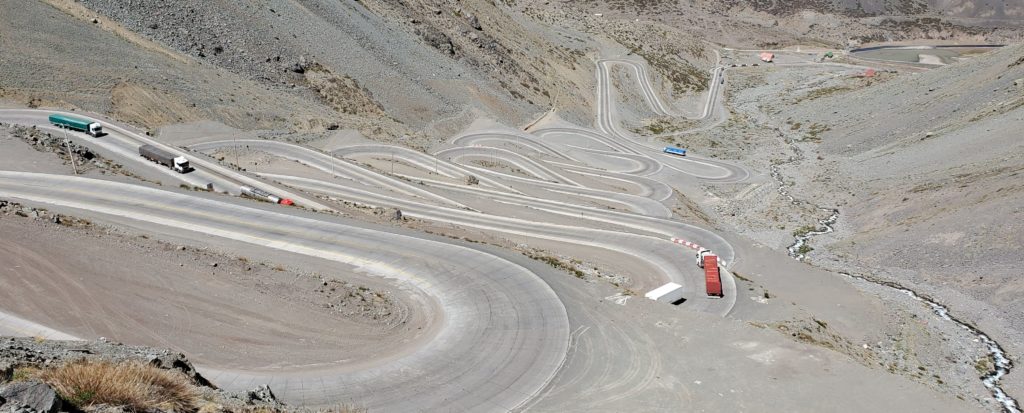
(825,225)
(1003,364)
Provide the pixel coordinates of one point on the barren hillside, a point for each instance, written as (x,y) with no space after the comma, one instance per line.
(100,67)
(925,170)
(421,61)
(935,165)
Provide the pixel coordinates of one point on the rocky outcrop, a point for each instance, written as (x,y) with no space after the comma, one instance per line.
(18,210)
(436,39)
(30,395)
(262,395)
(48,353)
(392,214)
(22,392)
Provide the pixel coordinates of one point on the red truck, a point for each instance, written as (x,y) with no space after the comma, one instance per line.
(711,276)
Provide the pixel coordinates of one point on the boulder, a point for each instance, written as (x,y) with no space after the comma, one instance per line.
(177,361)
(261,395)
(436,39)
(6,372)
(471,180)
(300,66)
(36,395)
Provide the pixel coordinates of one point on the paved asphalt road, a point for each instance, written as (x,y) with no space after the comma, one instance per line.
(505,331)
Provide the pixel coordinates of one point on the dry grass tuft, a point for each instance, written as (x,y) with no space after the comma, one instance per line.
(137,386)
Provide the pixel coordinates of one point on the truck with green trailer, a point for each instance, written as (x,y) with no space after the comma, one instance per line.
(82,125)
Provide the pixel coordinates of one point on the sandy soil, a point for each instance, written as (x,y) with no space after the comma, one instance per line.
(225,311)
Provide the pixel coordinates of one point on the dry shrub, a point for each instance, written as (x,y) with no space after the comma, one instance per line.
(137,386)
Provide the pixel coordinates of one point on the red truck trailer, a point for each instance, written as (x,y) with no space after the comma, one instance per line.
(711,276)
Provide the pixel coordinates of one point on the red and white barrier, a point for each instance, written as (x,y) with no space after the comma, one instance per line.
(693,245)
(686,243)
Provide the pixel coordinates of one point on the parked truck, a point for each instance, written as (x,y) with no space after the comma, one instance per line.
(261,194)
(712,278)
(160,156)
(671,293)
(82,125)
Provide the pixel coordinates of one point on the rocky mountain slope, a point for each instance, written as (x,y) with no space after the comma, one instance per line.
(392,67)
(928,174)
(836,23)
(100,67)
(421,61)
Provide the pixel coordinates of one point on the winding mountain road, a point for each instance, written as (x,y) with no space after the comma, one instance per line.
(505,332)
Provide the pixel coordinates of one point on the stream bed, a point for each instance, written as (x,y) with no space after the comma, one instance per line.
(1002,363)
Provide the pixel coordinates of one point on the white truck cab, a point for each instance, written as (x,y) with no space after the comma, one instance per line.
(701,253)
(95,129)
(181,164)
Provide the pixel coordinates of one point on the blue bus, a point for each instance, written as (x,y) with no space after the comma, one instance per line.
(675,151)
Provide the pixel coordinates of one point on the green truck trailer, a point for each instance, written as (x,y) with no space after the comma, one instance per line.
(78,124)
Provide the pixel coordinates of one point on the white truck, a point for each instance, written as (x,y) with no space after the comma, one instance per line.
(671,293)
(177,163)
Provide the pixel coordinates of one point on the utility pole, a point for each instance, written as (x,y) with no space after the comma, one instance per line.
(70,155)
(235,140)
